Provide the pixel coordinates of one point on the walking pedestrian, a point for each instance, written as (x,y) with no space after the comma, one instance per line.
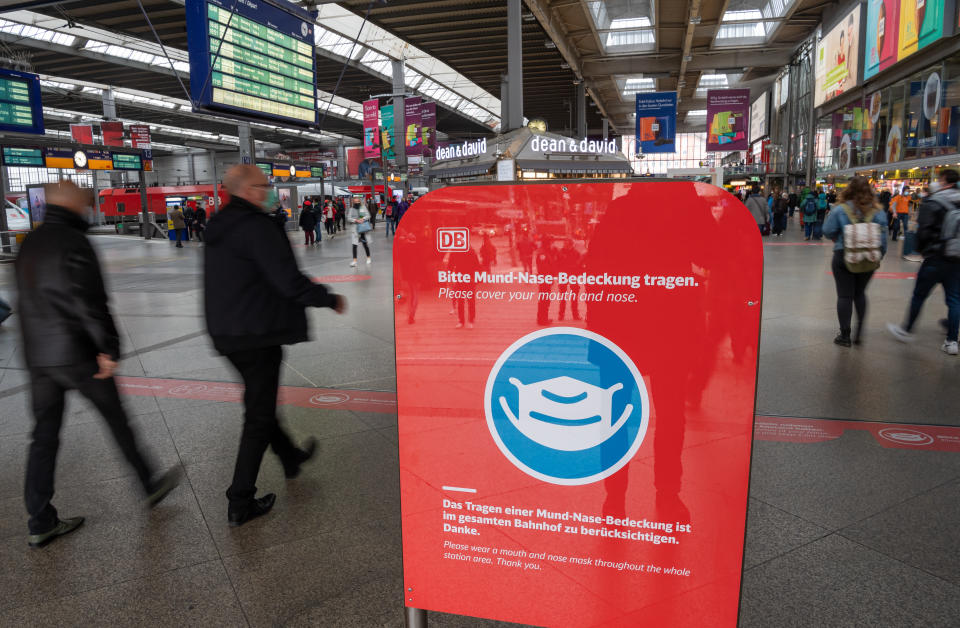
(255,301)
(70,342)
(901,205)
(200,222)
(794,201)
(809,215)
(308,222)
(328,217)
(938,239)
(758,209)
(858,230)
(359,217)
(179,225)
(780,208)
(388,216)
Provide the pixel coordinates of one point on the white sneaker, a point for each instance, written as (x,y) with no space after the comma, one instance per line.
(950,347)
(900,333)
(470,326)
(369,261)
(459,326)
(353,264)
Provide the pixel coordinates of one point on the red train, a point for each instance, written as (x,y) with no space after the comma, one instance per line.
(119,203)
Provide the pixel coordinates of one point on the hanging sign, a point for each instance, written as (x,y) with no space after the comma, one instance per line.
(728,119)
(574,442)
(657,122)
(387,133)
(428,128)
(371,129)
(112,133)
(413,139)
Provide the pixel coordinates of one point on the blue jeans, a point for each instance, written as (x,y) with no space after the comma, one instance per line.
(318,230)
(391,227)
(936,270)
(807,230)
(904,221)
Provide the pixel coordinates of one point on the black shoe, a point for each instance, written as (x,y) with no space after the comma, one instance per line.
(304,455)
(257,508)
(64,526)
(843,341)
(162,487)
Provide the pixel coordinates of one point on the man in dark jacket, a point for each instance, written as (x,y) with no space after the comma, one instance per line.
(256,299)
(937,268)
(69,343)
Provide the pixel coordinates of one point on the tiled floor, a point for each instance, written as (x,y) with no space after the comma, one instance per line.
(840,533)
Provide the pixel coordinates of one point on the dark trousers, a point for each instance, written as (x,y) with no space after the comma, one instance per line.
(466,309)
(260,370)
(329,225)
(851,293)
(779,223)
(936,270)
(47,390)
(308,235)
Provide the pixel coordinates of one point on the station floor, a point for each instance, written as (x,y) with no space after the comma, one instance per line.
(854,499)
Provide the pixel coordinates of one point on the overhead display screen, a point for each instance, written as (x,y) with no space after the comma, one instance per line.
(253,58)
(17,156)
(124,161)
(20,107)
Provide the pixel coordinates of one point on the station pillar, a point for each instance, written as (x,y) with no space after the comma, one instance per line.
(514,66)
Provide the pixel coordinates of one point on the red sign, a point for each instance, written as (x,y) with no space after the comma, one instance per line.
(575,401)
(82,133)
(112,133)
(140,136)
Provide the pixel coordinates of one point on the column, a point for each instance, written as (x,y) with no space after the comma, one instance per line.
(216,180)
(606,129)
(504,101)
(581,109)
(514,66)
(399,126)
(247,147)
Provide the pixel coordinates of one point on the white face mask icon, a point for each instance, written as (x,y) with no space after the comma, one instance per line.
(565,413)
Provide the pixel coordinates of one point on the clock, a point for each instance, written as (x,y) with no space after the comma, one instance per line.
(80,159)
(293,171)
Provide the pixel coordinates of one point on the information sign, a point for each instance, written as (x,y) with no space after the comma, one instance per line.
(21,108)
(125,161)
(16,156)
(266,167)
(253,58)
(575,440)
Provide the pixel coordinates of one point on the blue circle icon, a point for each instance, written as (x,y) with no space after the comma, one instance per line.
(566,406)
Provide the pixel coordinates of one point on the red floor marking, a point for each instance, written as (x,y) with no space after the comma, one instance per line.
(798,243)
(359,400)
(340,278)
(888,435)
(885,275)
(773,429)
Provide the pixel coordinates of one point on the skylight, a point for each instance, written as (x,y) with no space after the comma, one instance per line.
(752,22)
(624,27)
(377,62)
(122,52)
(638,85)
(334,43)
(34,32)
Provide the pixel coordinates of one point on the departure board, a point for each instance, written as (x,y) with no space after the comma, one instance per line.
(20,107)
(253,58)
(125,161)
(17,156)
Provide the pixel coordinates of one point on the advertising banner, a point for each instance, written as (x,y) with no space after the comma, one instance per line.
(728,119)
(883,25)
(354,157)
(575,440)
(657,122)
(413,140)
(837,60)
(82,133)
(112,133)
(921,23)
(428,128)
(758,118)
(387,133)
(371,129)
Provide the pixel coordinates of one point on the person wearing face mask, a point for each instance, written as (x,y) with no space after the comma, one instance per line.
(938,240)
(70,342)
(255,299)
(359,217)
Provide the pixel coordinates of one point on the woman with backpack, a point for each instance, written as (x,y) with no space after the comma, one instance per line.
(808,211)
(858,228)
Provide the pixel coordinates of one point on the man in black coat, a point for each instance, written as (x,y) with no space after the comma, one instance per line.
(256,299)
(69,343)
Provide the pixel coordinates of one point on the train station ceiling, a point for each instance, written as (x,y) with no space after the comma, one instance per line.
(621,47)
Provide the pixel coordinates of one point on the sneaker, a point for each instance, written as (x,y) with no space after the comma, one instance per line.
(64,526)
(900,333)
(950,347)
(169,481)
(459,326)
(353,264)
(369,261)
(843,341)
(470,326)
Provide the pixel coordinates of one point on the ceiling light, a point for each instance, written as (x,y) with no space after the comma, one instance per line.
(549,44)
(695,19)
(688,58)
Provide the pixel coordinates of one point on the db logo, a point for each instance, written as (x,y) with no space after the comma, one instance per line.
(453,239)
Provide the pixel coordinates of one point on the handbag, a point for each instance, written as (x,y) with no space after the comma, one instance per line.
(364,227)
